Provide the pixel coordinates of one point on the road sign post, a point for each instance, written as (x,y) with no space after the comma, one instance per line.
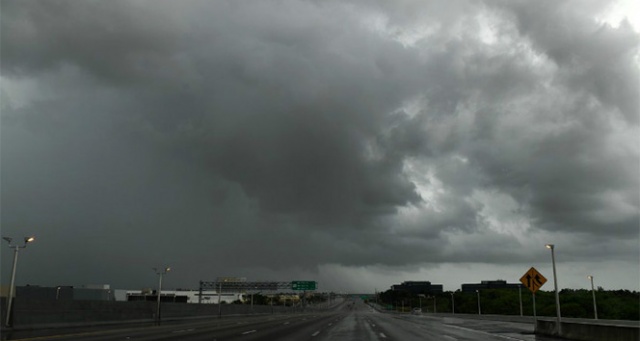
(533,280)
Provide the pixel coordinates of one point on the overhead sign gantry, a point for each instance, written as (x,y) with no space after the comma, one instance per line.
(230,285)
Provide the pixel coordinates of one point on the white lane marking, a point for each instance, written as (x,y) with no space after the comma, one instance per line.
(450,337)
(249,332)
(286,323)
(316,333)
(183,330)
(383,336)
(485,333)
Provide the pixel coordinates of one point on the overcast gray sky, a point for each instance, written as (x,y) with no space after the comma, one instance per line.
(356,143)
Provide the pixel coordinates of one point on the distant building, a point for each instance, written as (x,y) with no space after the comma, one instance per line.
(418,287)
(497,284)
(103,292)
(185,296)
(66,293)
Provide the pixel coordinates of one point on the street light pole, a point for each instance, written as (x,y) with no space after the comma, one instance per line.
(219,299)
(160,273)
(16,248)
(555,284)
(520,294)
(595,308)
(479,311)
(453,305)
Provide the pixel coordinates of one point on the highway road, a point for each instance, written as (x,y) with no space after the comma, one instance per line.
(352,320)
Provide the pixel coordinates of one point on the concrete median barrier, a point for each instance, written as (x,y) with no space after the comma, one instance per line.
(590,331)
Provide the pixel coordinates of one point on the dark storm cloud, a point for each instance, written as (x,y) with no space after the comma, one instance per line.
(221,135)
(580,178)
(595,58)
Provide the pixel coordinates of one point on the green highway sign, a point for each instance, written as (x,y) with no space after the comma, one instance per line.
(304,285)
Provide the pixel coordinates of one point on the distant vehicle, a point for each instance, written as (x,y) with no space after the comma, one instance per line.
(416,311)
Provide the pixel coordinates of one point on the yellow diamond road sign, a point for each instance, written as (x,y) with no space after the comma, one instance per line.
(533,280)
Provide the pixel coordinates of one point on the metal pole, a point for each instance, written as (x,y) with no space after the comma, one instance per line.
(219,299)
(159,293)
(479,311)
(434,304)
(595,308)
(12,285)
(252,302)
(160,273)
(453,305)
(520,294)
(555,284)
(200,293)
(534,306)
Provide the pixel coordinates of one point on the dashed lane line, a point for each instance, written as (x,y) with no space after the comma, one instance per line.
(249,332)
(316,333)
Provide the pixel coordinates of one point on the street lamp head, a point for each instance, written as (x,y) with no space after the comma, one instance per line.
(590,277)
(8,239)
(162,271)
(549,246)
(29,239)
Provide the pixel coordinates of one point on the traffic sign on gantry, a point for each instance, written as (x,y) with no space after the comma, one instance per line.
(533,280)
(304,285)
